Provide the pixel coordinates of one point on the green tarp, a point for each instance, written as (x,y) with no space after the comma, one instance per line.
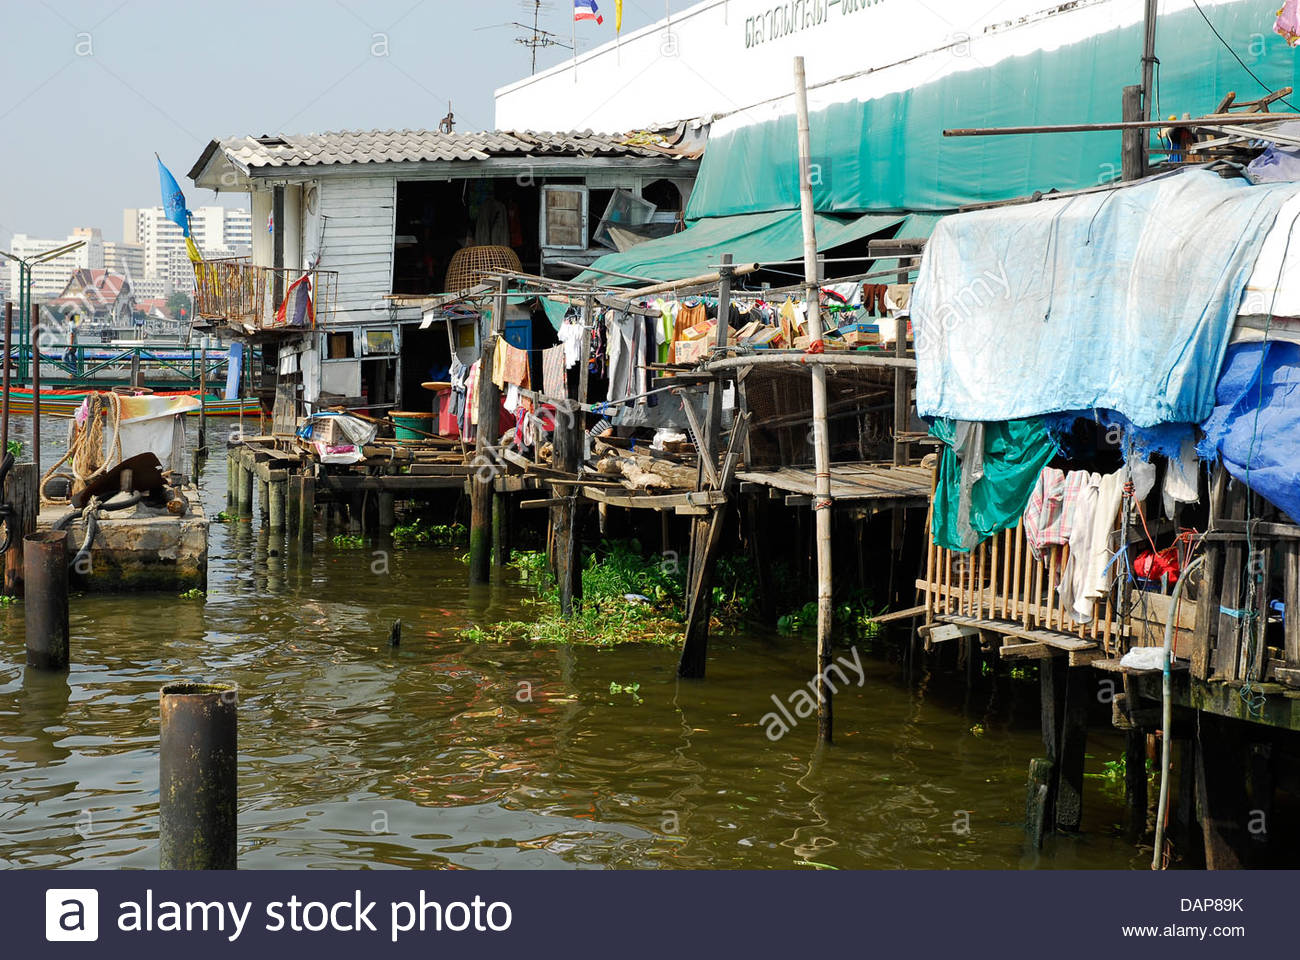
(1015,452)
(889,153)
(762,237)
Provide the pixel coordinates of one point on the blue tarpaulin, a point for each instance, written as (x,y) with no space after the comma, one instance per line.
(1121,299)
(1257,431)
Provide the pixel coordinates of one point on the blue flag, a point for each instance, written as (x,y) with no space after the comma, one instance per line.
(173,200)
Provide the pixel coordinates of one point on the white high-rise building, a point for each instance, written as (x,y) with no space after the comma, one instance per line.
(49,278)
(126,259)
(217,232)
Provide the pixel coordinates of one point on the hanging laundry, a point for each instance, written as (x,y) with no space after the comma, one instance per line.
(1088,572)
(516,365)
(499,364)
(1182,478)
(570,334)
(1013,454)
(554,381)
(1048,516)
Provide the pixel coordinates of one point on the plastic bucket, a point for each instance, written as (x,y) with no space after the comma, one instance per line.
(411,426)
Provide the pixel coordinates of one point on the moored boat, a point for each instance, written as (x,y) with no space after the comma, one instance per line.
(64,402)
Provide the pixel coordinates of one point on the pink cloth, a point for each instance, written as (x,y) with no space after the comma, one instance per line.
(1288,22)
(1050,512)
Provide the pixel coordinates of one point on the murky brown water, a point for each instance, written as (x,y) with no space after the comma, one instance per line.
(356,756)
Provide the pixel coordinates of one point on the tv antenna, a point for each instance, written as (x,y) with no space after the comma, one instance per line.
(535,38)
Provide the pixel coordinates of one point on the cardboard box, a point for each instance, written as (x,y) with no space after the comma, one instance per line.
(691,351)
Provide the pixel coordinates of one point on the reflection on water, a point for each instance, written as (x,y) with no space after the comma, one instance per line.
(444,753)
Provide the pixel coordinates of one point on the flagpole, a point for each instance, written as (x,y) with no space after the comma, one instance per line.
(573,31)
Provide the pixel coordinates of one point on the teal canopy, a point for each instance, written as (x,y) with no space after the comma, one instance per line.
(889,153)
(772,237)
(1015,452)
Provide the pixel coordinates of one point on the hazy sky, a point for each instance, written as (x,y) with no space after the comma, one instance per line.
(89,90)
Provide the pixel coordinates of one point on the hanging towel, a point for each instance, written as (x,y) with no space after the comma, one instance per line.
(554,383)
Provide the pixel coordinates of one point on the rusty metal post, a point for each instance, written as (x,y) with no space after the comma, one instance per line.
(198,762)
(45,599)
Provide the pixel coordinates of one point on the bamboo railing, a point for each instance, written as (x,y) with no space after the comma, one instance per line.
(1002,583)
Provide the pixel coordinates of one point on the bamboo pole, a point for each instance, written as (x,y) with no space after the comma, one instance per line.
(821,440)
(36,395)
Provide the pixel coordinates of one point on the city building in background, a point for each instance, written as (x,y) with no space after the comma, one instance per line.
(49,278)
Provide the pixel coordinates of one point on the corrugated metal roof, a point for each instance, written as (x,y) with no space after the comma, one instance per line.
(418,146)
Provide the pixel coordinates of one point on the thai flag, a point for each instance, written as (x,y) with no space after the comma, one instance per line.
(587,10)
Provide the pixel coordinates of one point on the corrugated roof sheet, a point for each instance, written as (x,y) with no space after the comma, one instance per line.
(416,146)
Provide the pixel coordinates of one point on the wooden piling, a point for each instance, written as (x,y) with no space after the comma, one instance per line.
(307,514)
(387,511)
(20,493)
(1038,802)
(232,482)
(488,403)
(1074,741)
(500,529)
(1221,792)
(293,503)
(1135,782)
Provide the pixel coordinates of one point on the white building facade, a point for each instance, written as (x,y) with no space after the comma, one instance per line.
(49,278)
(217,231)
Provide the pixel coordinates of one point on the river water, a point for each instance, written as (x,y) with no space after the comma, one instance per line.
(451,754)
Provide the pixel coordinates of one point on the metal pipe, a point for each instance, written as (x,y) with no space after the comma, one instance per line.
(198,765)
(1210,120)
(45,599)
(1167,711)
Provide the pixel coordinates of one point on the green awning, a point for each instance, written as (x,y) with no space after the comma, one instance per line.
(919,226)
(775,237)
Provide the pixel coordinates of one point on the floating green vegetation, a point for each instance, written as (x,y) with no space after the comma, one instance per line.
(852,616)
(194,593)
(347,541)
(424,533)
(626,598)
(6,601)
(222,517)
(15,447)
(631,689)
(1113,772)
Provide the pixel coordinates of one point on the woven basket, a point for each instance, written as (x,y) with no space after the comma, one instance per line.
(472,265)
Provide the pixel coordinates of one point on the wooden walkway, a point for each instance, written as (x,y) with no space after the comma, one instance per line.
(865,484)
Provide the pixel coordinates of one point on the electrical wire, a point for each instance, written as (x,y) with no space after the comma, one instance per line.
(1227,46)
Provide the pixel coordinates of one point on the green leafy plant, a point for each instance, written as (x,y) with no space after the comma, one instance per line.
(631,689)
(193,593)
(222,517)
(345,541)
(15,447)
(423,533)
(6,601)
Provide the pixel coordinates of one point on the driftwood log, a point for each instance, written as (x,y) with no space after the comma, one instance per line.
(643,472)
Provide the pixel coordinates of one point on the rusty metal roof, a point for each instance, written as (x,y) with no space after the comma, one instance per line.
(419,146)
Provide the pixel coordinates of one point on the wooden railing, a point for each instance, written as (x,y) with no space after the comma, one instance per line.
(243,295)
(999,585)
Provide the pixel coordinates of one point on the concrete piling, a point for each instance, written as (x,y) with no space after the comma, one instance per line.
(264,500)
(45,604)
(277,507)
(198,763)
(387,511)
(245,491)
(307,514)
